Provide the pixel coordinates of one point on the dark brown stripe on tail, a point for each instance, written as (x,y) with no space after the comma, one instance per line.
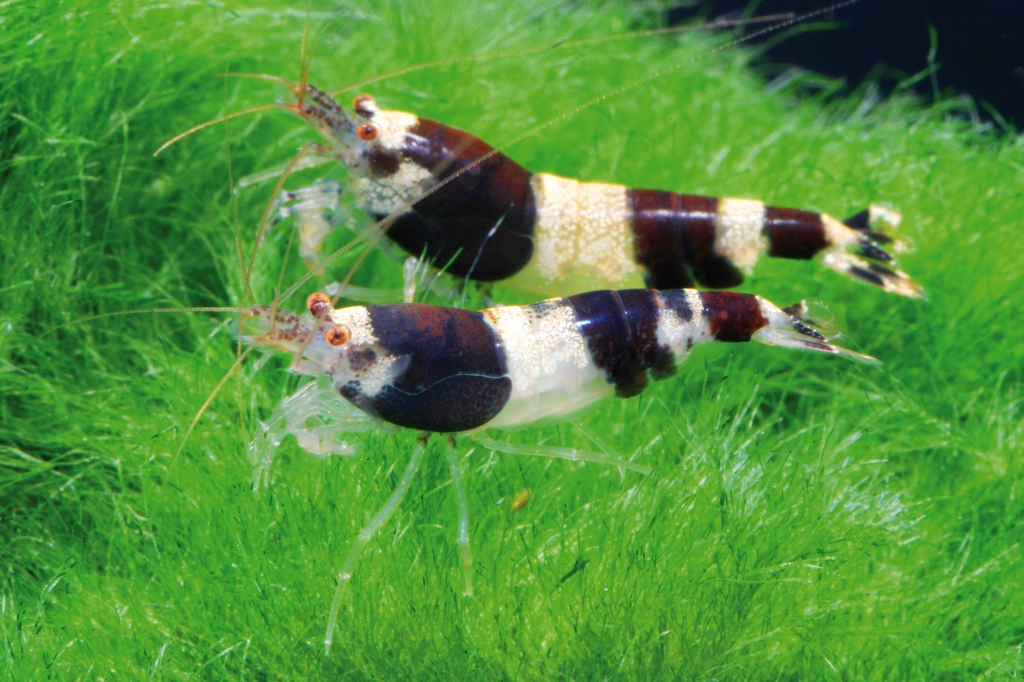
(602,319)
(658,226)
(674,239)
(793,233)
(732,317)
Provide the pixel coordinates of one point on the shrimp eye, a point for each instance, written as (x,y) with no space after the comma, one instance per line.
(364,105)
(368,132)
(337,336)
(318,304)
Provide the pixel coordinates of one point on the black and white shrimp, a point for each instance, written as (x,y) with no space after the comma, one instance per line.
(451,371)
(477,214)
(489,219)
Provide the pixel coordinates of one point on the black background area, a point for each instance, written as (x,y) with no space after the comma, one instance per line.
(980,44)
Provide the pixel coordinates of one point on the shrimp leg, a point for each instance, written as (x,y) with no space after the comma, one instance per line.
(415,273)
(465,553)
(601,445)
(366,534)
(317,210)
(317,416)
(560,453)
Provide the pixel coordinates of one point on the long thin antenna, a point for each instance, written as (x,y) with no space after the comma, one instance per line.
(237,229)
(726,23)
(221,119)
(303,61)
(300,88)
(303,152)
(247,297)
(148,311)
(259,76)
(209,400)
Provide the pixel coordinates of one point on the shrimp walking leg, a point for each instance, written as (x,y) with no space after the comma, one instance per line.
(601,445)
(317,210)
(415,274)
(311,160)
(409,268)
(561,453)
(465,553)
(366,534)
(316,415)
(365,294)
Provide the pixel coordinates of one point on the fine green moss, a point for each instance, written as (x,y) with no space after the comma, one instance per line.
(807,518)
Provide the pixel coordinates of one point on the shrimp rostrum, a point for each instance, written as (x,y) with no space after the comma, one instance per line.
(481,216)
(447,370)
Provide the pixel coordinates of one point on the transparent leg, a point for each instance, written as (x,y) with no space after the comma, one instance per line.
(461,504)
(560,453)
(317,416)
(365,535)
(318,156)
(317,211)
(602,446)
(409,268)
(414,275)
(364,294)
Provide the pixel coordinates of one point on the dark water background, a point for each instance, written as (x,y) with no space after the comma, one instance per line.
(980,45)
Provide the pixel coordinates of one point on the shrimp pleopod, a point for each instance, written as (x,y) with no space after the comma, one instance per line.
(447,370)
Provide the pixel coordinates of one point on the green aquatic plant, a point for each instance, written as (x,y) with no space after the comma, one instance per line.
(806,518)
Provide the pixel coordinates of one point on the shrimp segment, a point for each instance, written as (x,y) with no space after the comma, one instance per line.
(495,220)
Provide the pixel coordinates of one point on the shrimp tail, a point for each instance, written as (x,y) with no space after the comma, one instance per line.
(793,327)
(857,251)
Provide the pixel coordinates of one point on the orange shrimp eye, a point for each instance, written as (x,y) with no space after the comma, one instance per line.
(337,336)
(318,304)
(364,105)
(368,132)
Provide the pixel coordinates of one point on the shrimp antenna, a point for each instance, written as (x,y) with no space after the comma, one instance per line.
(789,18)
(306,54)
(219,119)
(304,57)
(239,253)
(213,395)
(725,23)
(235,225)
(669,69)
(261,230)
(148,311)
(259,76)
